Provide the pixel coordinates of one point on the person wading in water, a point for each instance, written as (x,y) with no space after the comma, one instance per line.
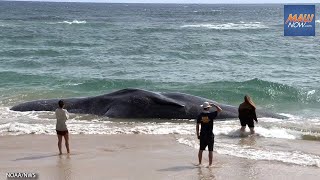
(247,114)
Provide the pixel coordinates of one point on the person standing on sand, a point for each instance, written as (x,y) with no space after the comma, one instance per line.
(206,136)
(247,113)
(62,115)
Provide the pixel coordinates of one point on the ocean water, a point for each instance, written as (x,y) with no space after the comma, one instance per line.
(221,52)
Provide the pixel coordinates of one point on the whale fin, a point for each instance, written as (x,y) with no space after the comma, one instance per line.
(113,113)
(163,100)
(117,111)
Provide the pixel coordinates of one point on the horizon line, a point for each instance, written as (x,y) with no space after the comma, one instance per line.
(55,1)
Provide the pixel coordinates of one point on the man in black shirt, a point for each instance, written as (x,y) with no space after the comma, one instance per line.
(206,136)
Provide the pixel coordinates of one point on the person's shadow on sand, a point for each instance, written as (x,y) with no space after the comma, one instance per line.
(178,168)
(35,157)
(202,173)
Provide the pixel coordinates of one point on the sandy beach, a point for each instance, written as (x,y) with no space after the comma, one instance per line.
(134,76)
(132,157)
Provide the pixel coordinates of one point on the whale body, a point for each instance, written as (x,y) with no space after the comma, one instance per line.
(138,103)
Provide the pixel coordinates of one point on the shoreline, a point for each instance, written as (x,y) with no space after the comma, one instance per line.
(132,157)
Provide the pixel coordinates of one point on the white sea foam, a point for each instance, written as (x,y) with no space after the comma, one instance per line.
(89,127)
(290,116)
(68,22)
(294,157)
(163,129)
(74,22)
(232,131)
(3,24)
(311,92)
(74,84)
(16,128)
(228,26)
(275,133)
(77,126)
(37,122)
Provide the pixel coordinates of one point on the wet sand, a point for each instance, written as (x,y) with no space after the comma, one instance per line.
(132,157)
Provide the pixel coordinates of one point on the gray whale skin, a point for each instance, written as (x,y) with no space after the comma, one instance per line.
(138,103)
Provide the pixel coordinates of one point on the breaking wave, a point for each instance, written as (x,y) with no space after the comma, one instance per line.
(228,26)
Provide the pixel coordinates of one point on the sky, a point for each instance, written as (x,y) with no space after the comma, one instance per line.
(190,1)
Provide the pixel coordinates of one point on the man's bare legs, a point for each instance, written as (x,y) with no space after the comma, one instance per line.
(59,143)
(66,139)
(210,158)
(200,156)
(252,130)
(242,130)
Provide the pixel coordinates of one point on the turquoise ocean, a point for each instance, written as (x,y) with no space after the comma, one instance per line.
(220,52)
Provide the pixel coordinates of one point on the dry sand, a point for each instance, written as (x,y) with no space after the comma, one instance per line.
(132,157)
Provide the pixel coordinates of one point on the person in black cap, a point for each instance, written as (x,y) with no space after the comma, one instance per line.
(206,136)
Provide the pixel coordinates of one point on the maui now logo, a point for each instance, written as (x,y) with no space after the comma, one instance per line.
(299,20)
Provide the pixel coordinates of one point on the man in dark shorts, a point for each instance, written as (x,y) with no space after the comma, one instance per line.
(62,131)
(206,136)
